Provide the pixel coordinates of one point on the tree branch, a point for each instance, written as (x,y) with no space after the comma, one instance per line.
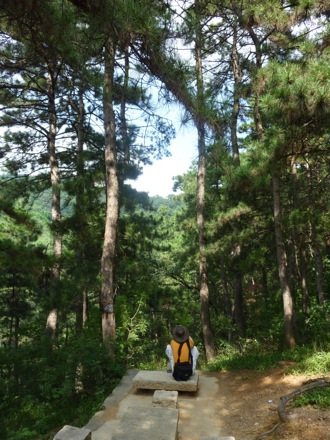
(310,385)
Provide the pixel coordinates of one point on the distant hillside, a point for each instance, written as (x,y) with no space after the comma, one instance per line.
(172,202)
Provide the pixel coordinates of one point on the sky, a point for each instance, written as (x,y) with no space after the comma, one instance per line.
(157,179)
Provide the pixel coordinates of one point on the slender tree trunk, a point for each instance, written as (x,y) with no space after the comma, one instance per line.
(281,263)
(288,305)
(51,325)
(82,302)
(303,280)
(316,251)
(14,317)
(204,290)
(112,201)
(236,252)
(236,97)
(319,273)
(300,248)
(280,249)
(239,305)
(123,123)
(228,305)
(200,200)
(264,283)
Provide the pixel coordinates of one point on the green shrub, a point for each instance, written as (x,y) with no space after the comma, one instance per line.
(317,325)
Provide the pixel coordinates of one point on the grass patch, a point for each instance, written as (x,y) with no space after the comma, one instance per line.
(318,398)
(313,363)
(254,356)
(249,355)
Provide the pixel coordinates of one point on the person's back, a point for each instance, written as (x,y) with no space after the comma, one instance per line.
(185,352)
(182,353)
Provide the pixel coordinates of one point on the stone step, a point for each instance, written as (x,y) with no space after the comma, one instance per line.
(165,399)
(144,423)
(161,380)
(73,433)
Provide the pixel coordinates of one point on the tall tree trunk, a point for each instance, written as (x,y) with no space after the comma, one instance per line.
(280,249)
(316,250)
(123,123)
(237,249)
(319,271)
(112,201)
(281,263)
(303,280)
(300,248)
(228,306)
(236,97)
(200,200)
(82,302)
(288,306)
(239,304)
(14,317)
(264,283)
(51,325)
(204,290)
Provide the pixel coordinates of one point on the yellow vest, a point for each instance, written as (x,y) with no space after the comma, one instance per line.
(184,356)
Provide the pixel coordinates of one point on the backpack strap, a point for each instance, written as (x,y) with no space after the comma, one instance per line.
(180,348)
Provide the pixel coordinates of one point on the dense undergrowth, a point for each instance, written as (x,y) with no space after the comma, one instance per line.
(45,389)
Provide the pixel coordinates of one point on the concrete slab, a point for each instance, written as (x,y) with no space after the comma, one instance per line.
(72,433)
(161,380)
(141,423)
(165,399)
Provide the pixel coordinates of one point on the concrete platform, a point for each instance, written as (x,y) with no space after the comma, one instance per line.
(141,423)
(161,380)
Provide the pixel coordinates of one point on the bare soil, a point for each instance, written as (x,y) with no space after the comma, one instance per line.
(247,401)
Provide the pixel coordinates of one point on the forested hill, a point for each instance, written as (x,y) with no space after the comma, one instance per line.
(94,274)
(39,205)
(172,202)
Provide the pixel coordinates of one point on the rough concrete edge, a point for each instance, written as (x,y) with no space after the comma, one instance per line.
(218,438)
(72,432)
(118,393)
(121,390)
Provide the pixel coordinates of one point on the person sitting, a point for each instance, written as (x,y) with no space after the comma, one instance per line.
(182,353)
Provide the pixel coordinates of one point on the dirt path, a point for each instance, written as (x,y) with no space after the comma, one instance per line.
(247,400)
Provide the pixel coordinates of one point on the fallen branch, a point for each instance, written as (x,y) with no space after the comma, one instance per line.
(308,386)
